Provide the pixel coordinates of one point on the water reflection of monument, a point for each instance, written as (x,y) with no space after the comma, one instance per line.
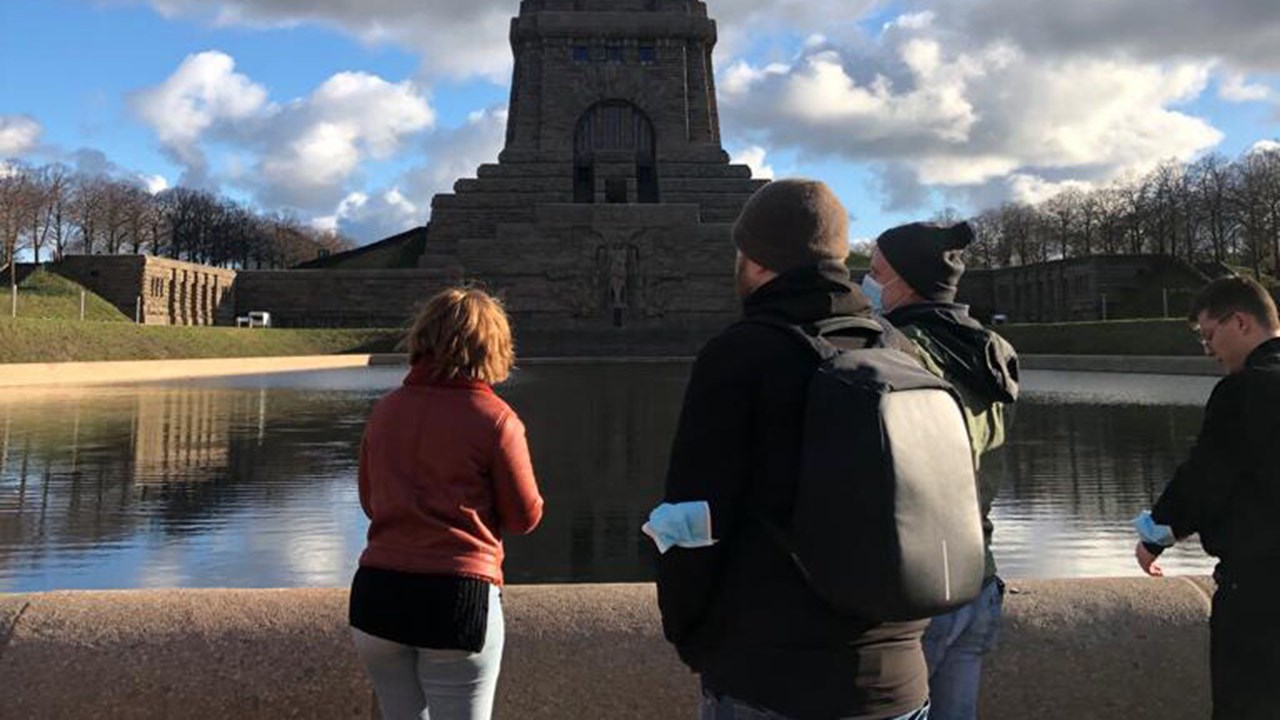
(184,435)
(601,457)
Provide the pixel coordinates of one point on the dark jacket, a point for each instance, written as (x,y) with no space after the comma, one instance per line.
(738,612)
(982,366)
(1228,490)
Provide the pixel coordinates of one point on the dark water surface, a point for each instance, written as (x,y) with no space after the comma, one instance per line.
(250,482)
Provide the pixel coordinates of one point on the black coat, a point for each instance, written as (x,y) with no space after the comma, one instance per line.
(738,612)
(1228,490)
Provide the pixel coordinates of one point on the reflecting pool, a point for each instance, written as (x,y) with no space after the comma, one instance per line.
(250,481)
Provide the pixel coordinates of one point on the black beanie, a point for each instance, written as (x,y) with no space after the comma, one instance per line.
(793,223)
(927,256)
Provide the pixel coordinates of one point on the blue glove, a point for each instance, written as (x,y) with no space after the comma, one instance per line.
(1150,532)
(686,524)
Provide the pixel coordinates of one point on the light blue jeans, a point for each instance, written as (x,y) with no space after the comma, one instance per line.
(724,707)
(420,684)
(953,648)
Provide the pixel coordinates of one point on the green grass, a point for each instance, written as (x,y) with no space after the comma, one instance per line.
(43,295)
(1117,337)
(858,261)
(48,329)
(27,340)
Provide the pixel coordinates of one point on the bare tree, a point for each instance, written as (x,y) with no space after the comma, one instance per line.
(1267,165)
(1251,209)
(987,231)
(58,180)
(88,199)
(1212,178)
(137,207)
(1063,212)
(15,195)
(36,193)
(113,217)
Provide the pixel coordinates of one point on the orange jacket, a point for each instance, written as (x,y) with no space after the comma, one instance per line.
(444,472)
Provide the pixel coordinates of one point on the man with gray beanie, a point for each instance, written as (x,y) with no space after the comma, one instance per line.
(732,601)
(915,270)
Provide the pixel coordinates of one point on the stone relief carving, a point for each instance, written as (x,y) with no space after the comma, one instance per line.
(617,264)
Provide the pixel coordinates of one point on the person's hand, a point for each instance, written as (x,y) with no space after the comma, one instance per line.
(1147,561)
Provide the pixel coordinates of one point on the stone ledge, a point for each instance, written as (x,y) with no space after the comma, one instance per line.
(11,609)
(1132,648)
(77,374)
(1142,364)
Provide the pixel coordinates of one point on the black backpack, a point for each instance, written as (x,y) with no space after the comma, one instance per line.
(885,523)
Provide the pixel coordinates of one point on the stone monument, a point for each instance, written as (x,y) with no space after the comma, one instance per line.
(605,222)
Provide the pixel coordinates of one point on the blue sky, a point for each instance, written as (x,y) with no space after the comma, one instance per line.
(351,113)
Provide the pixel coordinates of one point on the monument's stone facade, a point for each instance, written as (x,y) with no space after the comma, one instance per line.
(605,222)
(155,290)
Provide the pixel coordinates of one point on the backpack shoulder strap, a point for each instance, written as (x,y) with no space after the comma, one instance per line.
(817,335)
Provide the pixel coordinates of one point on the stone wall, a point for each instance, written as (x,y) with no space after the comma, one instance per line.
(154,290)
(1090,288)
(336,298)
(1133,648)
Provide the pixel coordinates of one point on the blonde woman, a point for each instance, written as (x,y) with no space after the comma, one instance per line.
(444,473)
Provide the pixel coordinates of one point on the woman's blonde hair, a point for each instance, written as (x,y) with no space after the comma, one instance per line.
(465,334)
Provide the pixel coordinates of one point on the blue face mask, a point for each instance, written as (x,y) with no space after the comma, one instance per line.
(874,292)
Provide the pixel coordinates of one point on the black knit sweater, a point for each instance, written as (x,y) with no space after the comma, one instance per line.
(442,612)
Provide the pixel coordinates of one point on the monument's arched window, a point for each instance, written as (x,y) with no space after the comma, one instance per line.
(622,132)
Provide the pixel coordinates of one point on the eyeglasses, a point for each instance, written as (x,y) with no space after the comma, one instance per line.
(1206,338)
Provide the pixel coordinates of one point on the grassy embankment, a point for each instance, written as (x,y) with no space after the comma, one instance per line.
(48,329)
(1117,337)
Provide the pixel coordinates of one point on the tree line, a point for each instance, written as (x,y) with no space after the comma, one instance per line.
(49,211)
(1211,210)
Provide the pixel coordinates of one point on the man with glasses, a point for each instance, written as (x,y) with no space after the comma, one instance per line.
(1228,491)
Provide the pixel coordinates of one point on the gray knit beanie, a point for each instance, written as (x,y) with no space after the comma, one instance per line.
(793,223)
(929,257)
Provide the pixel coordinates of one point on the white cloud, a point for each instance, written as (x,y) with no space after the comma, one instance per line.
(1263,146)
(456,38)
(456,152)
(1033,190)
(740,76)
(935,111)
(1235,88)
(960,96)
(154,184)
(382,112)
(314,147)
(367,219)
(820,95)
(754,158)
(203,92)
(470,38)
(452,153)
(911,21)
(302,153)
(1242,32)
(19,134)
